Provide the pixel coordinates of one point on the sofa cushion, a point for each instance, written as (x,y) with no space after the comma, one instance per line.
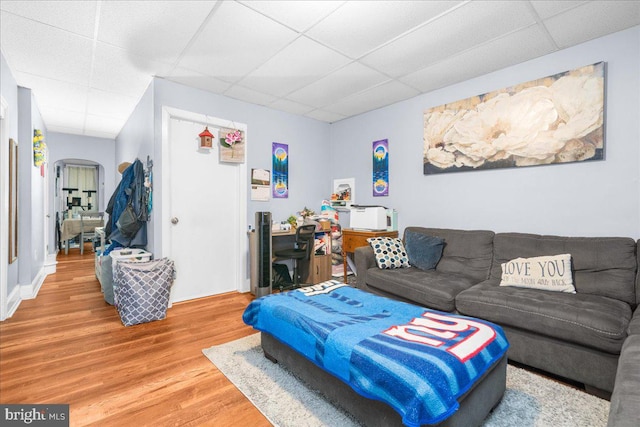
(588,320)
(549,273)
(466,252)
(424,251)
(389,252)
(604,266)
(428,288)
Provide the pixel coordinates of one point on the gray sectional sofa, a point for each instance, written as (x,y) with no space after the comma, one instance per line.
(587,336)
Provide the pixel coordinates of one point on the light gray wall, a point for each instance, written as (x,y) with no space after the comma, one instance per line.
(598,198)
(64,146)
(9,91)
(135,141)
(307,140)
(30,191)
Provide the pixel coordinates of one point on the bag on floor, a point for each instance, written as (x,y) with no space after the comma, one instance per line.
(141,290)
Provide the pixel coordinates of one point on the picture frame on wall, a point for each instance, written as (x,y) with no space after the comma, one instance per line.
(13,201)
(232,145)
(343,194)
(552,120)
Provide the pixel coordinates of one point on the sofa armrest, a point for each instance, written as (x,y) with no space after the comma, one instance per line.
(364,260)
(625,400)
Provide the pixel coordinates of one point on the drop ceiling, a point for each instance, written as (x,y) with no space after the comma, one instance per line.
(89,62)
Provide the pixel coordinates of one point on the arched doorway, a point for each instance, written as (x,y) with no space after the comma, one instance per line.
(78,186)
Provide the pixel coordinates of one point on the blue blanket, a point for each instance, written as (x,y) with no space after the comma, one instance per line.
(417,360)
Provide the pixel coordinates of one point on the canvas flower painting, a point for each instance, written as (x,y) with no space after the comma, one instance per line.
(557,119)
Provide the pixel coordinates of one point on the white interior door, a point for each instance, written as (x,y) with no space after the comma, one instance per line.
(206,213)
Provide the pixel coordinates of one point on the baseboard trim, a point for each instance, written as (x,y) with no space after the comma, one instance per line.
(31,290)
(51,264)
(13,301)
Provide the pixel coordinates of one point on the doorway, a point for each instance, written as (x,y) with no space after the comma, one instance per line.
(204,214)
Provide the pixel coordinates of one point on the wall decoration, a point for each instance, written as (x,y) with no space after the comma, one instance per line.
(556,119)
(260,184)
(380,177)
(280,155)
(344,192)
(13,200)
(206,139)
(39,148)
(232,144)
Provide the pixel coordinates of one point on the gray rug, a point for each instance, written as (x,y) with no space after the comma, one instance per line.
(530,399)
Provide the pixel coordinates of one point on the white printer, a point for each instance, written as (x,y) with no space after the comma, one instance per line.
(368,217)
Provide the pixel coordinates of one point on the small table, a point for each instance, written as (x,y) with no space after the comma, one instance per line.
(71,227)
(352,239)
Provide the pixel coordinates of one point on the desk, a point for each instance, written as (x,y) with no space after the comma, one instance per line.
(352,239)
(315,270)
(71,227)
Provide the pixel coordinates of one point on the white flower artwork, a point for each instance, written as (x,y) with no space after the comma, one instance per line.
(556,119)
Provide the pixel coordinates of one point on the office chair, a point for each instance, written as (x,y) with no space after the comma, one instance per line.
(88,231)
(301,250)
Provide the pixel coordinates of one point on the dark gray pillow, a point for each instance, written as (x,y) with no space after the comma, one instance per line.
(423,251)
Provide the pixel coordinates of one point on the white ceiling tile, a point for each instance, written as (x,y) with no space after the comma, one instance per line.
(62,118)
(379,96)
(290,106)
(157,29)
(119,71)
(234,42)
(109,104)
(548,8)
(197,80)
(104,125)
(325,116)
(568,29)
(343,82)
(461,29)
(64,129)
(76,16)
(299,64)
(54,53)
(494,55)
(299,14)
(54,93)
(249,95)
(359,26)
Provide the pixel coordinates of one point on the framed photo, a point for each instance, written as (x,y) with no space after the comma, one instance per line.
(13,201)
(343,194)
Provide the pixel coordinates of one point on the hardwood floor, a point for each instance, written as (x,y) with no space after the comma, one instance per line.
(69,346)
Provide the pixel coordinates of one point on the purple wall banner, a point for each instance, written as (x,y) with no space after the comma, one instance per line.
(380,177)
(280,156)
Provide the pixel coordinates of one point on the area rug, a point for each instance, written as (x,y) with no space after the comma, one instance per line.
(530,399)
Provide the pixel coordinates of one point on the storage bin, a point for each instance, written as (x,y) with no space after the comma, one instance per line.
(142,290)
(129,255)
(107,266)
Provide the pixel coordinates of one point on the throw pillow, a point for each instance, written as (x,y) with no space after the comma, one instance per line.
(423,251)
(389,252)
(550,273)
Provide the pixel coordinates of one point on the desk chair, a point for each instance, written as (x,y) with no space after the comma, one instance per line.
(301,250)
(88,232)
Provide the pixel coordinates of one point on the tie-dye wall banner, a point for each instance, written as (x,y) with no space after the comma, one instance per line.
(280,155)
(381,168)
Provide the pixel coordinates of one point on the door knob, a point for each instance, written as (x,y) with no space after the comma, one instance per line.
(174,220)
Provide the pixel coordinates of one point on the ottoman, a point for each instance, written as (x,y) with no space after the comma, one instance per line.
(385,362)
